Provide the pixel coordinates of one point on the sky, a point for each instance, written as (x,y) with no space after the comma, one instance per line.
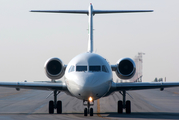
(28,39)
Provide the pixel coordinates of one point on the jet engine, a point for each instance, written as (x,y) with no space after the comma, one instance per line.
(125,68)
(54,68)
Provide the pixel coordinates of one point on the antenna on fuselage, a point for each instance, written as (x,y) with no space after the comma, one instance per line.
(91,12)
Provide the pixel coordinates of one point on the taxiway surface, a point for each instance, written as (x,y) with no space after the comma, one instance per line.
(145,104)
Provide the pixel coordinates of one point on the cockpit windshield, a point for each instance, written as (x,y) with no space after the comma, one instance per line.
(81,68)
(95,68)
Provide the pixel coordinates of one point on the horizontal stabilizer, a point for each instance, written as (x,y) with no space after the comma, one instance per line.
(62,11)
(119,11)
(94,11)
(91,12)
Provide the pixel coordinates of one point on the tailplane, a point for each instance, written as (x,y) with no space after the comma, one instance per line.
(91,12)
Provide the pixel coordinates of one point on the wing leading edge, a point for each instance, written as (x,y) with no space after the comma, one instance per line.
(142,85)
(35,85)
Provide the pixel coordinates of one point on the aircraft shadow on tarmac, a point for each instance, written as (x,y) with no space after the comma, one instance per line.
(141,115)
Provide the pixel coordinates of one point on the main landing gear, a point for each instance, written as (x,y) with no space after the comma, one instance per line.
(55,104)
(124,104)
(88,109)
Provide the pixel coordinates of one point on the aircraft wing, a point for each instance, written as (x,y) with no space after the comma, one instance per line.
(142,85)
(35,85)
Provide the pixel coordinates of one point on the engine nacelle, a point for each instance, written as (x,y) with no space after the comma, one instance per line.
(126,68)
(54,68)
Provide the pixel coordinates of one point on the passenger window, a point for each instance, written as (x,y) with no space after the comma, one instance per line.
(104,69)
(95,68)
(81,68)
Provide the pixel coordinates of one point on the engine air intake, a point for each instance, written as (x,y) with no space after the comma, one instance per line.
(125,68)
(54,68)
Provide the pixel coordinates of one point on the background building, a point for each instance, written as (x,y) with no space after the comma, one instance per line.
(139,68)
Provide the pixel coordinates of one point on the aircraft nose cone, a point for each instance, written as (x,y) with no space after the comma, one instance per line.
(89,81)
(85,85)
(86,80)
(92,86)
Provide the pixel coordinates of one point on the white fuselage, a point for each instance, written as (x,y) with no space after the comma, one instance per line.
(88,75)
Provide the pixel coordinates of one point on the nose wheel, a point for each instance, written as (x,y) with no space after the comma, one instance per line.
(91,112)
(88,110)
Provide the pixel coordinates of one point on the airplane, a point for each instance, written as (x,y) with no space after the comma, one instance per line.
(88,76)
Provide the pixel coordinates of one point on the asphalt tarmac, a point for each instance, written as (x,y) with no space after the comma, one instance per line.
(145,104)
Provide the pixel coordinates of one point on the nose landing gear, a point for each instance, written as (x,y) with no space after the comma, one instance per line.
(88,110)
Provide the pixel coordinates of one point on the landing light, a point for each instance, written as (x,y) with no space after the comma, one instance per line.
(90,99)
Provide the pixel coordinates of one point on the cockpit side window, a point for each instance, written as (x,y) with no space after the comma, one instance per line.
(95,68)
(104,69)
(81,68)
(72,68)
